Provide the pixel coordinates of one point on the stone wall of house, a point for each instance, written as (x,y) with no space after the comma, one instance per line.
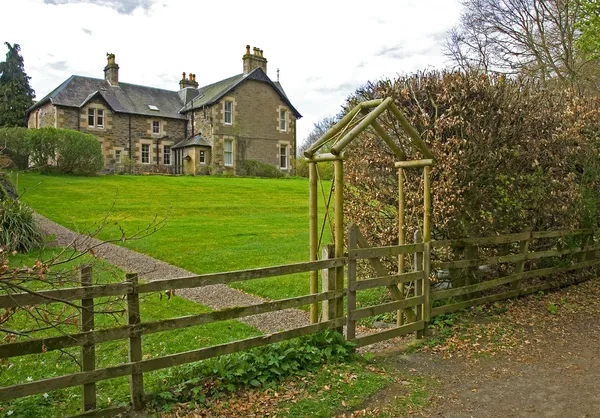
(44,116)
(114,136)
(255,127)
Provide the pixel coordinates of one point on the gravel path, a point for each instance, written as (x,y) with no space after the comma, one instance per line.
(150,269)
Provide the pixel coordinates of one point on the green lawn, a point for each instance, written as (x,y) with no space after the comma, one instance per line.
(21,369)
(213,223)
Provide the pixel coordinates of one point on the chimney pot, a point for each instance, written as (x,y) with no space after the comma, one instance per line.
(183,74)
(247,49)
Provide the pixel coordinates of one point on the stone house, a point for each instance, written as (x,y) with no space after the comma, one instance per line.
(195,130)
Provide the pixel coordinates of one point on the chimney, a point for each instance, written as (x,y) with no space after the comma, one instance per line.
(255,60)
(188,82)
(111,71)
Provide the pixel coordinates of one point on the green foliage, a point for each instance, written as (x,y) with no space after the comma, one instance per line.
(253,168)
(18,229)
(589,27)
(16,95)
(65,151)
(552,308)
(14,143)
(263,366)
(325,169)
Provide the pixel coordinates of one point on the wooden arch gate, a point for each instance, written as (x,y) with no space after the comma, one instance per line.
(361,117)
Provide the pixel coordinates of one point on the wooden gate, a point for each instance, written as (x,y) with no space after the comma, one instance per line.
(419,300)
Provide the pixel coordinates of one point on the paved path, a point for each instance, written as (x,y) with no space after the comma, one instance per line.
(149,269)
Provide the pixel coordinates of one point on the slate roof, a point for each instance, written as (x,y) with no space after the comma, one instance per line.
(195,141)
(212,93)
(77,90)
(125,97)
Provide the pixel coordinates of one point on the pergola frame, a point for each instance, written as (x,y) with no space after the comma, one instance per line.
(371,110)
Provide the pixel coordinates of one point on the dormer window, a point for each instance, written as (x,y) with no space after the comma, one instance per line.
(96,118)
(100,118)
(153,107)
(91,118)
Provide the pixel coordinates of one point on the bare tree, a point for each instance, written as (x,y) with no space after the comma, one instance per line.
(532,38)
(317,132)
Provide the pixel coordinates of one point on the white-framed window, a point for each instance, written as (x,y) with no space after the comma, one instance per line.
(118,154)
(283,156)
(100,118)
(228,152)
(167,155)
(202,157)
(155,126)
(228,112)
(91,117)
(145,153)
(282,120)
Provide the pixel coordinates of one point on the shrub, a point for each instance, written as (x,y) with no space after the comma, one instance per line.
(18,229)
(253,168)
(65,151)
(509,155)
(15,144)
(325,169)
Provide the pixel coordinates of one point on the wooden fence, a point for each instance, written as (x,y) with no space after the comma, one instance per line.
(417,305)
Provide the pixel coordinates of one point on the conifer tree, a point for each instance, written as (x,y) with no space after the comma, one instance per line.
(16,95)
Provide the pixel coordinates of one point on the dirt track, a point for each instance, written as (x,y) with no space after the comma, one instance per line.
(530,362)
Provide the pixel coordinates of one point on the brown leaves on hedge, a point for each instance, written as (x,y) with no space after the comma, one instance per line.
(509,155)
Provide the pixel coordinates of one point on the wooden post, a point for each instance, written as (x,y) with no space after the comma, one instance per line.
(520,265)
(136,380)
(328,283)
(338,167)
(418,283)
(470,252)
(352,244)
(314,236)
(426,204)
(585,242)
(426,285)
(88,351)
(401,237)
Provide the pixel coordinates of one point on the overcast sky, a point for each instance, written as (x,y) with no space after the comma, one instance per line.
(324,49)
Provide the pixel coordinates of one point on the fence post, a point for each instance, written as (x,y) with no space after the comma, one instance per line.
(328,284)
(470,252)
(585,242)
(352,244)
(136,380)
(520,265)
(88,351)
(426,285)
(418,266)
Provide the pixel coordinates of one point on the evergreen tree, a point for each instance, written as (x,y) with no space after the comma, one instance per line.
(16,95)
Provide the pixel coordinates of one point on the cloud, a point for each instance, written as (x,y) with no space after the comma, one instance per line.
(58,65)
(343,87)
(312,79)
(122,6)
(87,31)
(396,51)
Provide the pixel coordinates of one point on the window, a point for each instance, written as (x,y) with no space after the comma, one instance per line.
(91,117)
(145,153)
(283,157)
(228,152)
(228,113)
(100,118)
(167,155)
(202,157)
(118,156)
(153,107)
(282,120)
(155,126)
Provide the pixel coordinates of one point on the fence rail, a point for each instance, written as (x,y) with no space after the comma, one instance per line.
(417,304)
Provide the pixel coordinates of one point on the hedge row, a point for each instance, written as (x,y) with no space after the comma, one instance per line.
(60,150)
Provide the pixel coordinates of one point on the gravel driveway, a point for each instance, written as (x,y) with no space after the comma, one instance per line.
(215,297)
